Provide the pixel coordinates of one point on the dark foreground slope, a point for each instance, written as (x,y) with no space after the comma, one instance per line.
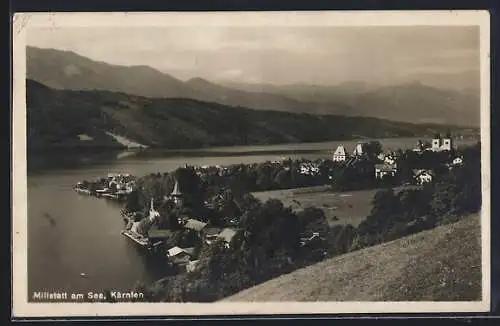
(61,118)
(443,264)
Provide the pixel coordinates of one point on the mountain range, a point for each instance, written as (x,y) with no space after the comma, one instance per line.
(408,102)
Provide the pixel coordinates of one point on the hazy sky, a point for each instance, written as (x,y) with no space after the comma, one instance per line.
(283,55)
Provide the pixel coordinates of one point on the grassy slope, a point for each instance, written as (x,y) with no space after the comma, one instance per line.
(443,264)
(350,207)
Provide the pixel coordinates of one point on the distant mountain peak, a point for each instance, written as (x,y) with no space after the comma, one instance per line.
(409,101)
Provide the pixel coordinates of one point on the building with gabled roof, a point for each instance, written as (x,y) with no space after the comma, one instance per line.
(359,150)
(442,143)
(382,170)
(423,176)
(340,154)
(195,225)
(179,256)
(227,234)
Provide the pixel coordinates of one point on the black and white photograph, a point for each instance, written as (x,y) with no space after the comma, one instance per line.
(224,163)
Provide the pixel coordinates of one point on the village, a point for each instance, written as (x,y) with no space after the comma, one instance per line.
(181,252)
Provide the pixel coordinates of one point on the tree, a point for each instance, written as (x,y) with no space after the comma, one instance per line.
(264,178)
(191,187)
(373,148)
(283,179)
(133,202)
(313,219)
(383,215)
(144,226)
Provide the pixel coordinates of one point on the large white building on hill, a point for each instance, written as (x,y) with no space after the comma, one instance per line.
(442,143)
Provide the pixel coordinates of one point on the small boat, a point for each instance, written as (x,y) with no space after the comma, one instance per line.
(83,274)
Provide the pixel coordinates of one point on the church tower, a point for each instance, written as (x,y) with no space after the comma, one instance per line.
(176,194)
(436,143)
(153,213)
(447,144)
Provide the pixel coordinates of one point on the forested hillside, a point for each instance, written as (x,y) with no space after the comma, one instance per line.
(69,119)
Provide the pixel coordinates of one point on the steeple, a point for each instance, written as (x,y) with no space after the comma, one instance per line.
(436,142)
(176,194)
(153,213)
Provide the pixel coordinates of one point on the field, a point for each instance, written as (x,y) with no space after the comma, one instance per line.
(339,207)
(443,264)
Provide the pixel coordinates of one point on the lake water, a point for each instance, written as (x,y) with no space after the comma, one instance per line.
(70,234)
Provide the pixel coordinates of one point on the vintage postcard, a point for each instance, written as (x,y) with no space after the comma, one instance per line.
(247,163)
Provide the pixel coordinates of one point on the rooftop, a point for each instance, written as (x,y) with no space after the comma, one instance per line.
(385,167)
(195,225)
(227,234)
(340,151)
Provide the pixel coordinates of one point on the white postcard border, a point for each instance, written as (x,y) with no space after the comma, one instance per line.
(22,21)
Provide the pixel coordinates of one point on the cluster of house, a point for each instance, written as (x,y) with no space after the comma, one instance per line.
(121,182)
(145,233)
(115,186)
(186,258)
(387,162)
(341,155)
(438,144)
(206,170)
(309,168)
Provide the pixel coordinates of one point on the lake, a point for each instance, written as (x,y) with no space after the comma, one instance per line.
(70,234)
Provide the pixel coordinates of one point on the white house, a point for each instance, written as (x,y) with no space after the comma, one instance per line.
(390,160)
(441,144)
(457,161)
(340,154)
(382,170)
(227,235)
(359,149)
(423,176)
